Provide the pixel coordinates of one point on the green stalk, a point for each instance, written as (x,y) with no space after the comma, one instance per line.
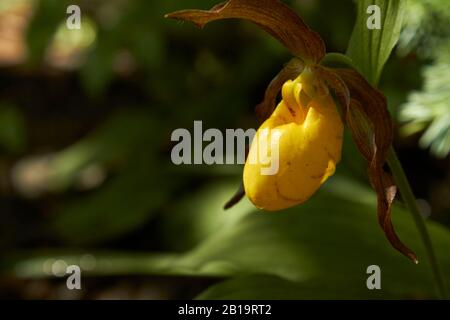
(411,203)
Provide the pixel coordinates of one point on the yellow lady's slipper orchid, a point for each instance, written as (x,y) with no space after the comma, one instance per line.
(309,131)
(304,133)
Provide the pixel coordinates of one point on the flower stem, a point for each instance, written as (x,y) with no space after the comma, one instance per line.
(411,203)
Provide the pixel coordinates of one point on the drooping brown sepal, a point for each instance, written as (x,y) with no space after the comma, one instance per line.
(369,121)
(336,84)
(273,16)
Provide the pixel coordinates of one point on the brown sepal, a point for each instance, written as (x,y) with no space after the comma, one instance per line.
(273,16)
(289,72)
(336,84)
(372,129)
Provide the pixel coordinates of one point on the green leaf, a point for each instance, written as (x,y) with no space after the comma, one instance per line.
(370,49)
(199,216)
(327,239)
(265,287)
(326,243)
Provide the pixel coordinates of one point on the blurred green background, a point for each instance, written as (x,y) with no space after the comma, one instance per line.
(86,176)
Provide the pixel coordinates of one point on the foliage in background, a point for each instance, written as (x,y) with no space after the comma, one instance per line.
(427,32)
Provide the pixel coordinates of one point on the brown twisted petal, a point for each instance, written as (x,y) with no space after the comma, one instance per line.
(374,104)
(371,127)
(273,16)
(289,72)
(336,84)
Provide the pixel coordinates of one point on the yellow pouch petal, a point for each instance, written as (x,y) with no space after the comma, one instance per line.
(306,135)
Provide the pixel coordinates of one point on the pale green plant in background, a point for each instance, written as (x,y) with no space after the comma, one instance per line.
(428,110)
